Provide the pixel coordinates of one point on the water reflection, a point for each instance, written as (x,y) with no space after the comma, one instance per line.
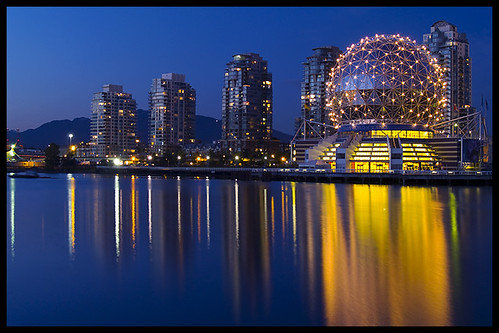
(117,214)
(279,253)
(12,215)
(387,260)
(71,215)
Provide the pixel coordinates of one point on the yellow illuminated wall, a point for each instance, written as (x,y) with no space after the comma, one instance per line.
(402,134)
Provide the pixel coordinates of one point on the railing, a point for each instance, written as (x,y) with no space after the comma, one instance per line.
(401,172)
(302,170)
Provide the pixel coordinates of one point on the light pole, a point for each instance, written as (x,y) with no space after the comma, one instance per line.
(70,137)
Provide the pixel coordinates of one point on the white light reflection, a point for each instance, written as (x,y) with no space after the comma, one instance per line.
(208,211)
(12,216)
(149,204)
(236,195)
(265,212)
(179,211)
(117,215)
(293,193)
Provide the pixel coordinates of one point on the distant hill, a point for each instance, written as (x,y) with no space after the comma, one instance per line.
(55,131)
(208,129)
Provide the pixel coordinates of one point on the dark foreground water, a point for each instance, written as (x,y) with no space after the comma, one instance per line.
(108,250)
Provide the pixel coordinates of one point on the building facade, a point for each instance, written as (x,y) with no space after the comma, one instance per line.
(451,50)
(113,123)
(246,103)
(316,72)
(384,95)
(172,105)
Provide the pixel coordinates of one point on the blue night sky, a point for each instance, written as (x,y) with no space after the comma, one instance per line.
(58,57)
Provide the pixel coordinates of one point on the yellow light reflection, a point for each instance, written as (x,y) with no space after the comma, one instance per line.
(332,241)
(386,263)
(422,288)
(453,219)
(71,215)
(117,215)
(454,236)
(133,212)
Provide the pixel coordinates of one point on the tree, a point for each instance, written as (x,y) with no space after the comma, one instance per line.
(52,158)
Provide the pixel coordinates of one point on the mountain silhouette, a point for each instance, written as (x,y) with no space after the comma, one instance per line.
(56,131)
(208,129)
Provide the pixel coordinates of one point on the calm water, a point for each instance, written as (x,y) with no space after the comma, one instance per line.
(108,250)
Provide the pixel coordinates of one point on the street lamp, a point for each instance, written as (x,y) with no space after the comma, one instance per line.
(70,137)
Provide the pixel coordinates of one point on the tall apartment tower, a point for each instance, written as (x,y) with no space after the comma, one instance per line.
(451,49)
(247,103)
(172,105)
(113,122)
(316,72)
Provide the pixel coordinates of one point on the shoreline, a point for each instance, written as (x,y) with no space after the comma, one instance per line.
(402,177)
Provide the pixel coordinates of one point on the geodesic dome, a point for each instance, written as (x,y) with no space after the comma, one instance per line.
(386,79)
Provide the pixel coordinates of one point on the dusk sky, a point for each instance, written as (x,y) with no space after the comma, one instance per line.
(58,57)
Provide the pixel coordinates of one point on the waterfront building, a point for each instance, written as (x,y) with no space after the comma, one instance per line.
(247,103)
(385,96)
(451,50)
(112,123)
(172,105)
(316,72)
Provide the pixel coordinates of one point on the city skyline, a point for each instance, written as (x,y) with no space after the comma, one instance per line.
(55,47)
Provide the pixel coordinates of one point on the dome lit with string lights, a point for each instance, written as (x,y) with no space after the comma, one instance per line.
(386,80)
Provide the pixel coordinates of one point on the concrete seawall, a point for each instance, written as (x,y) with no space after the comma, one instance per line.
(311,175)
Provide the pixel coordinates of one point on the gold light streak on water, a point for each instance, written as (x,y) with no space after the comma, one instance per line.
(12,216)
(384,263)
(134,218)
(453,221)
(71,214)
(333,244)
(293,212)
(455,238)
(117,219)
(422,287)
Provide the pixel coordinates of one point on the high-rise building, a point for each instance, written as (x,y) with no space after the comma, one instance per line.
(113,122)
(451,49)
(172,104)
(316,72)
(247,103)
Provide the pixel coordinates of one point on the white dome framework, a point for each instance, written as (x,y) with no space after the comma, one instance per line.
(386,79)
